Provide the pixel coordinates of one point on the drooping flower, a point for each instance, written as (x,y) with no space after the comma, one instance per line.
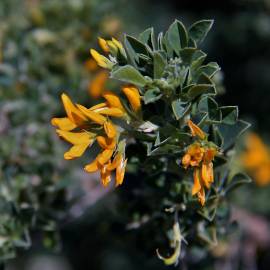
(200,157)
(106,164)
(195,130)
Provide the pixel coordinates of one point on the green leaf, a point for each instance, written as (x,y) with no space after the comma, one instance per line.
(209,105)
(199,30)
(147,37)
(237,180)
(187,55)
(200,89)
(210,69)
(167,46)
(129,74)
(179,108)
(159,65)
(231,132)
(137,46)
(215,136)
(152,95)
(229,114)
(177,36)
(131,55)
(198,58)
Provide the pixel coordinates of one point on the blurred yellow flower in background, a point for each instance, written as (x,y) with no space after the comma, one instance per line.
(256,159)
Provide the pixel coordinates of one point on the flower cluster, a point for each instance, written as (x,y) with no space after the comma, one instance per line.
(84,126)
(200,155)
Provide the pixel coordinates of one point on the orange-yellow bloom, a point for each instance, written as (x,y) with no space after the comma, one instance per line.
(110,129)
(106,143)
(103,45)
(95,117)
(133,95)
(256,159)
(80,141)
(74,117)
(200,157)
(78,129)
(96,86)
(91,65)
(101,60)
(113,100)
(195,130)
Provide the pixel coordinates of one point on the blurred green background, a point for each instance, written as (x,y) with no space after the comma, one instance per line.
(44,49)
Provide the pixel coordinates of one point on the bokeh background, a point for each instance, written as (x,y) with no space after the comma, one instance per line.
(44,50)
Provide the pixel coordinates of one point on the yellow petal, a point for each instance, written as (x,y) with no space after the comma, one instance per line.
(186,160)
(111,112)
(101,60)
(96,86)
(98,106)
(72,112)
(113,100)
(120,172)
(112,46)
(104,156)
(116,162)
(209,154)
(133,96)
(76,151)
(195,130)
(201,196)
(76,137)
(103,45)
(106,143)
(117,44)
(95,117)
(197,183)
(206,175)
(105,176)
(63,123)
(110,129)
(92,167)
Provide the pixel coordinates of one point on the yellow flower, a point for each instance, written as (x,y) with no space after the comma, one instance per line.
(119,163)
(104,163)
(195,130)
(101,60)
(256,159)
(193,156)
(75,117)
(103,45)
(200,157)
(91,65)
(96,86)
(113,100)
(133,95)
(80,141)
(94,124)
(117,44)
(95,117)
